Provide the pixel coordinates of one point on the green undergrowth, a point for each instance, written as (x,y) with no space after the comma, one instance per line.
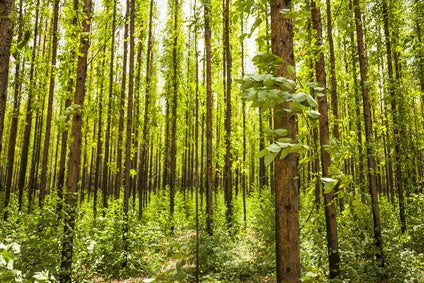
(164,249)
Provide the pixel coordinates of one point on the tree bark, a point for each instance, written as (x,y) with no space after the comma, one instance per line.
(368,133)
(209,188)
(329,207)
(228,155)
(75,148)
(286,187)
(6,35)
(395,115)
(43,183)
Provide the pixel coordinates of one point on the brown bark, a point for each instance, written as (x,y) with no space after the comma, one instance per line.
(395,116)
(143,144)
(368,133)
(209,188)
(28,115)
(14,125)
(173,160)
(228,155)
(329,207)
(75,148)
(6,35)
(43,182)
(121,107)
(286,187)
(105,173)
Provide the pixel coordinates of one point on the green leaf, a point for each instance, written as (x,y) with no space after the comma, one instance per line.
(269,158)
(313,114)
(329,184)
(300,97)
(284,153)
(311,101)
(273,148)
(296,107)
(281,132)
(291,70)
(261,153)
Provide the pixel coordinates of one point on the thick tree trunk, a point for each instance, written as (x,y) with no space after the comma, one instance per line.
(286,187)
(329,207)
(368,133)
(75,149)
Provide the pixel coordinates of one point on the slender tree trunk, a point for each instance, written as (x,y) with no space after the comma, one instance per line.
(329,207)
(141,178)
(44,173)
(105,174)
(209,188)
(28,116)
(173,163)
(121,107)
(393,100)
(129,126)
(368,133)
(228,155)
(75,149)
(286,187)
(14,125)
(6,35)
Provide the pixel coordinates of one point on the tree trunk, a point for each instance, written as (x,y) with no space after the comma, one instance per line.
(368,133)
(286,187)
(75,149)
(329,207)
(15,115)
(121,107)
(44,173)
(209,188)
(28,115)
(173,158)
(228,155)
(6,35)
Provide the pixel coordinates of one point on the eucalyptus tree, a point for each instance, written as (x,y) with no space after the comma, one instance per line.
(75,147)
(368,132)
(6,35)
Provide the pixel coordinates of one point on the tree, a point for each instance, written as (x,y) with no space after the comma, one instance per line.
(43,183)
(209,188)
(329,207)
(286,189)
(368,132)
(228,155)
(75,148)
